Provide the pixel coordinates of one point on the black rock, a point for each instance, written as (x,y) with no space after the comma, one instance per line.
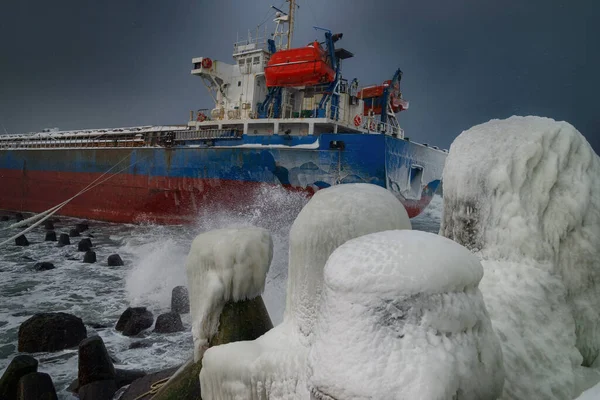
(4,218)
(114,260)
(180,300)
(98,325)
(94,362)
(63,239)
(84,244)
(134,320)
(140,344)
(19,217)
(36,386)
(50,332)
(123,377)
(127,376)
(20,366)
(21,241)
(168,323)
(50,237)
(98,390)
(89,257)
(43,266)
(49,225)
(74,233)
(142,385)
(82,227)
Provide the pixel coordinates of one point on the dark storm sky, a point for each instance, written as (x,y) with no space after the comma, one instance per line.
(88,64)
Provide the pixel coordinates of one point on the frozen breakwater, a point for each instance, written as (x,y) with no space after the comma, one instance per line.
(523,194)
(502,304)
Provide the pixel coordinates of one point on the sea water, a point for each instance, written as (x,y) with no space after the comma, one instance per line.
(154,259)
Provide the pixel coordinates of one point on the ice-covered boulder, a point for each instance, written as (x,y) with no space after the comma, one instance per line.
(402,318)
(224,265)
(274,365)
(226,271)
(524,195)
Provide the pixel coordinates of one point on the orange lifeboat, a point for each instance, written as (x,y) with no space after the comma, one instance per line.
(305,66)
(372,96)
(370,92)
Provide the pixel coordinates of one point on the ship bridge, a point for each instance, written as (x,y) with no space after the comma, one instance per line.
(248,99)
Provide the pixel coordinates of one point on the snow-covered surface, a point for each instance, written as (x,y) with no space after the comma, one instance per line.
(274,365)
(524,195)
(402,318)
(591,394)
(92,132)
(311,146)
(224,265)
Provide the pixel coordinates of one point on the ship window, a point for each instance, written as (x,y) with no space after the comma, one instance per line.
(239,83)
(256,60)
(242,61)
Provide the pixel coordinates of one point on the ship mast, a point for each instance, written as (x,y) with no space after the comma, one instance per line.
(291,23)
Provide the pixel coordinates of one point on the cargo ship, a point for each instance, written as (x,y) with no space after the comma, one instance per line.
(282,116)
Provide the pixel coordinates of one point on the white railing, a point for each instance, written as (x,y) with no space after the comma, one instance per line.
(208,134)
(256,40)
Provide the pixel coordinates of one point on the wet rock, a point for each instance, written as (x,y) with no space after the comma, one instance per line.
(98,325)
(82,227)
(94,362)
(50,237)
(4,218)
(123,377)
(19,217)
(89,257)
(21,241)
(128,376)
(180,300)
(64,240)
(141,344)
(114,260)
(20,366)
(84,244)
(74,233)
(50,332)
(142,385)
(134,320)
(98,390)
(168,323)
(43,266)
(48,225)
(36,386)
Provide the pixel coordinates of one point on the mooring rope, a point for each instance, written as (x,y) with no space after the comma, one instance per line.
(53,210)
(154,388)
(40,215)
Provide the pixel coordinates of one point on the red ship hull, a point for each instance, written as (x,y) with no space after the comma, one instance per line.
(127,198)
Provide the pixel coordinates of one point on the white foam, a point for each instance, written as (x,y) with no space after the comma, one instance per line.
(402,318)
(524,194)
(274,365)
(158,267)
(224,265)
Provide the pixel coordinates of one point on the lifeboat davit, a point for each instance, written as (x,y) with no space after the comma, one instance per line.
(304,66)
(372,97)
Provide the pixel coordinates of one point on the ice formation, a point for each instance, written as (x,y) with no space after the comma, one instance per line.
(274,365)
(524,195)
(402,318)
(224,265)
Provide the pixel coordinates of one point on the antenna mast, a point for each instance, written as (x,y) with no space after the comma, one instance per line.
(291,23)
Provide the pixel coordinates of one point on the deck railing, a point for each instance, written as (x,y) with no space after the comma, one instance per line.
(126,140)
